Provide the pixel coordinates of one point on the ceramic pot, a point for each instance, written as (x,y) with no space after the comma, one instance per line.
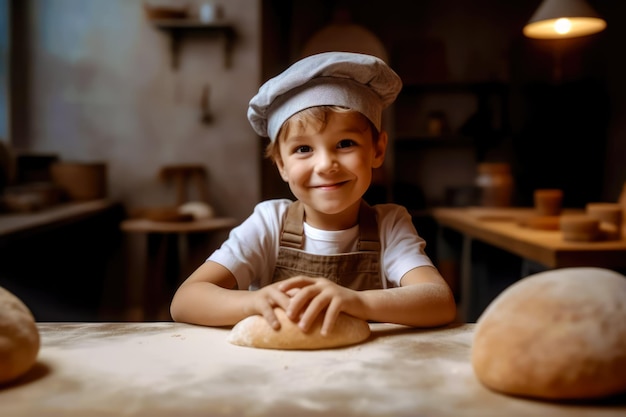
(495,183)
(548,202)
(80,181)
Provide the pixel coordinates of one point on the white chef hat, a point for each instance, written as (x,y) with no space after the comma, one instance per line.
(357,81)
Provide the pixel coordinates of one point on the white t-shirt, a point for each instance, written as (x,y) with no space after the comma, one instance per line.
(251,250)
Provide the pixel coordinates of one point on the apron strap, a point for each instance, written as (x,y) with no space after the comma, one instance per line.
(292,235)
(369,239)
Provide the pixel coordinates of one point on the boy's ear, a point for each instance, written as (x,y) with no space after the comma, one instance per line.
(281,168)
(380,148)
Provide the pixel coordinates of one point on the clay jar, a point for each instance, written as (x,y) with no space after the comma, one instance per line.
(579,228)
(609,215)
(548,202)
(495,183)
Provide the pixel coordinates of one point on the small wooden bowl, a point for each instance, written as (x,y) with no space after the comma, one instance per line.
(605,212)
(548,202)
(579,228)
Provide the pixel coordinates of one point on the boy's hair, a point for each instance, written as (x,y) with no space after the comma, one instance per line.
(318,118)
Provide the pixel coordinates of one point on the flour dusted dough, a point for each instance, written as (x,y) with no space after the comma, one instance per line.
(559,334)
(254,331)
(19,337)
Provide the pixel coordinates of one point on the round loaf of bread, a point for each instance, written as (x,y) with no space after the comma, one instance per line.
(254,331)
(559,334)
(19,337)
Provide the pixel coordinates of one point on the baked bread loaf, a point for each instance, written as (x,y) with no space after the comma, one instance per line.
(254,331)
(19,337)
(559,334)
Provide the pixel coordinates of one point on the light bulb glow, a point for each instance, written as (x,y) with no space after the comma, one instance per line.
(562,26)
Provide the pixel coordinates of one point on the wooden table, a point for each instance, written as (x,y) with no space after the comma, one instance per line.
(173,369)
(149,272)
(500,228)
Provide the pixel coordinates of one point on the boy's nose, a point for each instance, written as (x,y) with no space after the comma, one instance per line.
(326,161)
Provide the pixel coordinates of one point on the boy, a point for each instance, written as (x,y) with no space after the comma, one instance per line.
(328,252)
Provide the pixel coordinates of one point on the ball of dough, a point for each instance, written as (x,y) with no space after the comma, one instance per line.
(254,331)
(559,335)
(19,337)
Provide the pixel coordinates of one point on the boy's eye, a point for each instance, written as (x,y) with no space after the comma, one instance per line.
(302,149)
(346,143)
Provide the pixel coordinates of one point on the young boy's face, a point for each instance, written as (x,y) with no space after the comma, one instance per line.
(329,170)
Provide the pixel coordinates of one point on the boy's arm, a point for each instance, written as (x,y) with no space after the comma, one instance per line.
(424,299)
(210,297)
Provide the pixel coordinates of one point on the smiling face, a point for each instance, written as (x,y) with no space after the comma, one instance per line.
(328,166)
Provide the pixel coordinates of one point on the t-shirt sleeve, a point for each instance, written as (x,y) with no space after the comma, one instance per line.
(250,251)
(403,248)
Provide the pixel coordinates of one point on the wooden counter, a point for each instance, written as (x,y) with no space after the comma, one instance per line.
(18,223)
(173,369)
(500,228)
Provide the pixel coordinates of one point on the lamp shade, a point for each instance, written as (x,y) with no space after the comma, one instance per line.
(557,19)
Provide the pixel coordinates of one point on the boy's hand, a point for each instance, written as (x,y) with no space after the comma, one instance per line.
(316,296)
(265,300)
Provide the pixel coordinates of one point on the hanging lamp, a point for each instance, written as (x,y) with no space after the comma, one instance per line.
(559,19)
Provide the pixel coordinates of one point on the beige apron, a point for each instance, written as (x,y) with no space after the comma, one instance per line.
(356,270)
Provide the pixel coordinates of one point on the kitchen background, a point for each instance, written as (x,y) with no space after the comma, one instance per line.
(98,81)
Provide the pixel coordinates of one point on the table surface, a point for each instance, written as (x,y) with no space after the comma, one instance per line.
(11,223)
(194,226)
(166,369)
(500,227)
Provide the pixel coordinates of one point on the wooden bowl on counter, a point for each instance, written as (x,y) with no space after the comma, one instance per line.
(579,228)
(610,217)
(80,181)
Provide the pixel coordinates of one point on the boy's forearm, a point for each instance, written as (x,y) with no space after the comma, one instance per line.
(419,305)
(209,305)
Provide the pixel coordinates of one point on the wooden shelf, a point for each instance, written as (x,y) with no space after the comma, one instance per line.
(176,28)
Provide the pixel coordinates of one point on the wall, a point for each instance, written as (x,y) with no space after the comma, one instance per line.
(101,88)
